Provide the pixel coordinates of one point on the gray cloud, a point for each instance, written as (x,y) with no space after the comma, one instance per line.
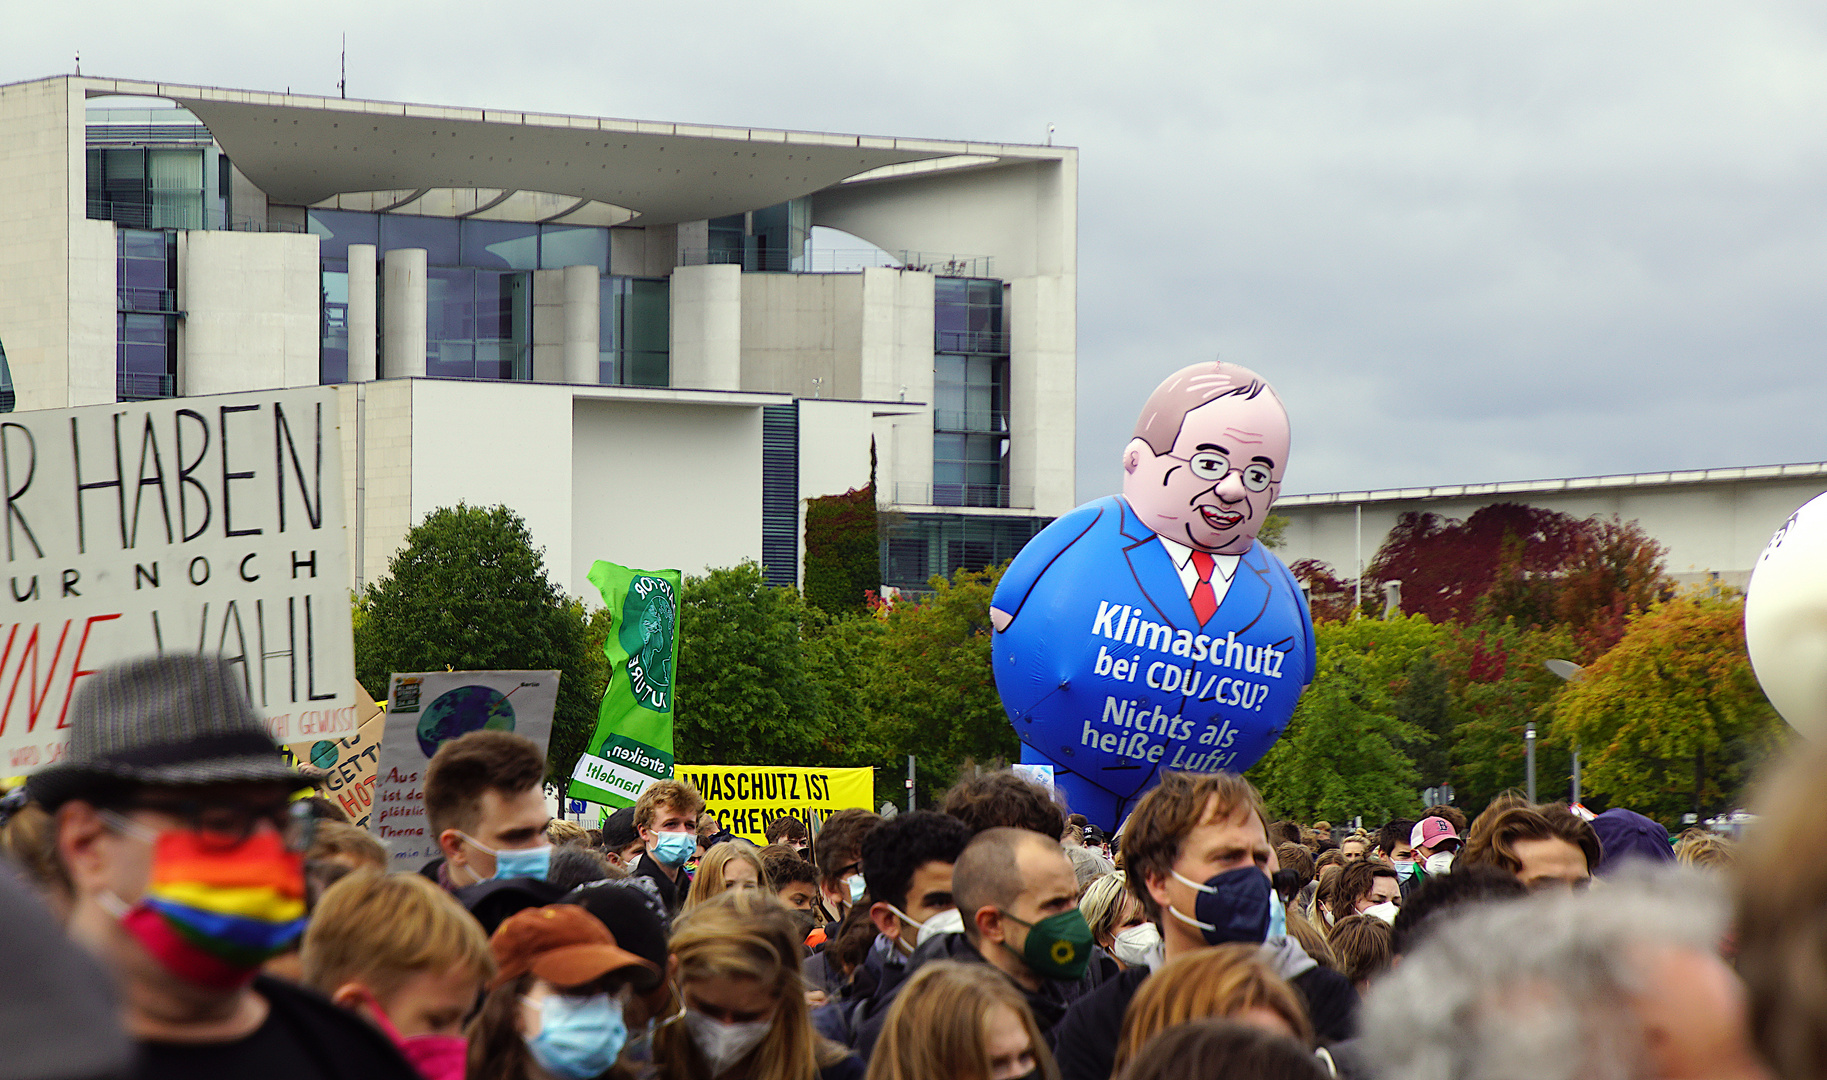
(1467,241)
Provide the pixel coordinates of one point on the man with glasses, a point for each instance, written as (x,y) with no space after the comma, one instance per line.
(176,823)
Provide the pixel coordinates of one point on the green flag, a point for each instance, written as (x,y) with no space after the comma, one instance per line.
(632,746)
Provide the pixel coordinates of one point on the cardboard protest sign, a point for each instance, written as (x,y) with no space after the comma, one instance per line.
(632,745)
(204,524)
(748,798)
(427,710)
(349,762)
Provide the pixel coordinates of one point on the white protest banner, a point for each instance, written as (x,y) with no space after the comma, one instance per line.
(428,709)
(203,524)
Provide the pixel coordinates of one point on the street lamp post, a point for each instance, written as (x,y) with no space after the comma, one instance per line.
(1568,671)
(1529,743)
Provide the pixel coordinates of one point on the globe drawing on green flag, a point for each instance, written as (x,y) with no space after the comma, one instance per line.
(461,711)
(646,635)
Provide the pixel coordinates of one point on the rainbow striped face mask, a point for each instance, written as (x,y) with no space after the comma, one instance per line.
(213,913)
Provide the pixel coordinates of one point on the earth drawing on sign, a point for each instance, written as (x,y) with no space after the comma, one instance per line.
(461,711)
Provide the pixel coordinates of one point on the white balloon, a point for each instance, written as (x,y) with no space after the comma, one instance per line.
(1786,619)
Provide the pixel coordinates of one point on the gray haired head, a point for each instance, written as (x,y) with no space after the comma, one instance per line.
(1537,988)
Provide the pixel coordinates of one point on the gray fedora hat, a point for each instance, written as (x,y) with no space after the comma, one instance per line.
(171,720)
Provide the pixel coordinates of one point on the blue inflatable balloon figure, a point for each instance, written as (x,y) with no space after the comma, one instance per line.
(1151,630)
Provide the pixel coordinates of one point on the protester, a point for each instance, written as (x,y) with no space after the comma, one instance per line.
(400,952)
(1363,946)
(1481,825)
(1322,831)
(789,830)
(28,834)
(736,962)
(1003,799)
(792,879)
(1325,896)
(1197,856)
(1123,935)
(1545,847)
(1202,1049)
(1366,888)
(1019,903)
(1452,815)
(636,919)
(186,861)
(1312,940)
(1393,847)
(1353,848)
(1297,862)
(1435,843)
(1707,850)
(1626,836)
(1427,907)
(622,843)
(665,816)
(336,850)
(729,865)
(1230,981)
(840,861)
(961,1022)
(555,1006)
(1781,885)
(1624,982)
(573,864)
(1087,865)
(560,832)
(485,802)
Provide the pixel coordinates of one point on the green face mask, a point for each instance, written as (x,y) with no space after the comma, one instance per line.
(1059,946)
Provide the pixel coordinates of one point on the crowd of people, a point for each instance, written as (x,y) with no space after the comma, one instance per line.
(174,903)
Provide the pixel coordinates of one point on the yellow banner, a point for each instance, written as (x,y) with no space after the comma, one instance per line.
(748,798)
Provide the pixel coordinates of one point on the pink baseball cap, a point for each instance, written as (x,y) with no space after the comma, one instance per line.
(1428,832)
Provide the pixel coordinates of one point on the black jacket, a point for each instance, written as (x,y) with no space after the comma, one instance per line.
(1049,1003)
(1085,1041)
(669,893)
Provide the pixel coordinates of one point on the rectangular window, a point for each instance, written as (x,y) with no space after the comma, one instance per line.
(337,229)
(145,321)
(502,245)
(635,332)
(333,359)
(478,323)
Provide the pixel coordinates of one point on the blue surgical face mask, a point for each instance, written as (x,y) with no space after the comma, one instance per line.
(579,1037)
(857,887)
(515,862)
(673,848)
(1405,868)
(1278,915)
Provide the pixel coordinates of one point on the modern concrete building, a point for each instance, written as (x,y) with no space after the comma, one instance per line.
(619,328)
(1714,522)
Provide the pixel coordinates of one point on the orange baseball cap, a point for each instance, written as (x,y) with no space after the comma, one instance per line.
(562,944)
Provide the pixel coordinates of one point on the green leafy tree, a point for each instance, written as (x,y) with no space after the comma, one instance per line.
(1495,673)
(841,651)
(469,592)
(843,561)
(1343,752)
(745,697)
(1274,531)
(1671,719)
(930,691)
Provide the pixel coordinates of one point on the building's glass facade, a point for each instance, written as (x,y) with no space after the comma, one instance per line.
(479,294)
(146,314)
(917,546)
(970,394)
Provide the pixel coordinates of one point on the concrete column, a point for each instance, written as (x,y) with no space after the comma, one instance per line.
(707,327)
(404,349)
(361,313)
(583,325)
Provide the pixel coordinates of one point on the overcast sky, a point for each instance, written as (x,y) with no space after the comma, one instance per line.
(1466,241)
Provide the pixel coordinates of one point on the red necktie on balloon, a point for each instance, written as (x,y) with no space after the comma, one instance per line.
(1205,601)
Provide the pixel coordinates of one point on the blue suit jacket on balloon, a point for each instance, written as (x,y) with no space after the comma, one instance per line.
(1109,677)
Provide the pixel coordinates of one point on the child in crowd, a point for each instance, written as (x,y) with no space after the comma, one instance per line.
(400,951)
(962,1021)
(733,864)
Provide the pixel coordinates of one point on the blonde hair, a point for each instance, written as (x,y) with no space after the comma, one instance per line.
(1707,850)
(712,879)
(1103,905)
(559,831)
(382,929)
(745,934)
(678,795)
(1220,981)
(936,1026)
(334,839)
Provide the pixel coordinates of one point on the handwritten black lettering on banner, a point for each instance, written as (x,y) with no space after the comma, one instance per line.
(210,525)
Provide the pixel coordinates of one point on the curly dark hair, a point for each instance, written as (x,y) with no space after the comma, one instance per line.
(1001,799)
(903,844)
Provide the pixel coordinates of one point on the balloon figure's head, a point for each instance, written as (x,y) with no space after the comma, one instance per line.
(1207,458)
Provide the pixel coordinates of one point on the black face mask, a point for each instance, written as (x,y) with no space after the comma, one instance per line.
(1232,906)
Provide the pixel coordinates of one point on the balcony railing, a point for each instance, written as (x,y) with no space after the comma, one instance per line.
(839,261)
(139,216)
(147,301)
(992,421)
(969,495)
(978,342)
(136,386)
